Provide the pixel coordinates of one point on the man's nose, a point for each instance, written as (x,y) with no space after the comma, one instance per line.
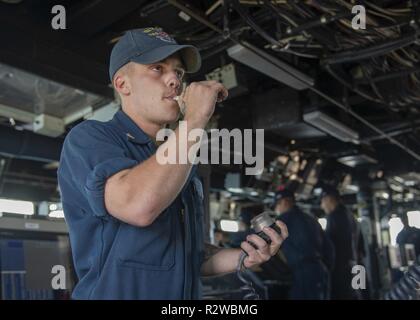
(174,82)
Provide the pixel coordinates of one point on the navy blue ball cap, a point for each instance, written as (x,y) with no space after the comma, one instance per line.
(150,45)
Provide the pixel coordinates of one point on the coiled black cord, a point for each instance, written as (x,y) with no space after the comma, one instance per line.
(248,288)
(408,288)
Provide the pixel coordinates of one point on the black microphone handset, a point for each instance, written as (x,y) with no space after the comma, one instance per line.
(258,224)
(261,221)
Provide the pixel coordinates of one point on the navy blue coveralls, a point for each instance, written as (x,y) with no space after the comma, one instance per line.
(343,232)
(115,260)
(309,255)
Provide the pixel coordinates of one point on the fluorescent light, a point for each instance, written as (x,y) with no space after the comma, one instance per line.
(385,195)
(229,225)
(352,187)
(323,223)
(56,214)
(398,179)
(270,66)
(395,227)
(317,191)
(396,187)
(409,196)
(331,126)
(16,206)
(236,190)
(356,159)
(413,218)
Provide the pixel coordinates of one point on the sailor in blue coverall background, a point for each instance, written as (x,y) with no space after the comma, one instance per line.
(343,231)
(136,225)
(309,252)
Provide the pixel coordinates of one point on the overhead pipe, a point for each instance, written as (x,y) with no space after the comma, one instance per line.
(28,145)
(192,13)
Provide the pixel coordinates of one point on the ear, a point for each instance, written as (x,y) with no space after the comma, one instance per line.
(122,84)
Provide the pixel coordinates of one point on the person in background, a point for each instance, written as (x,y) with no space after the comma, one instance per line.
(309,253)
(409,235)
(343,232)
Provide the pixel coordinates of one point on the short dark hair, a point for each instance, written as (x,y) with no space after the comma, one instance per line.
(284,194)
(331,192)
